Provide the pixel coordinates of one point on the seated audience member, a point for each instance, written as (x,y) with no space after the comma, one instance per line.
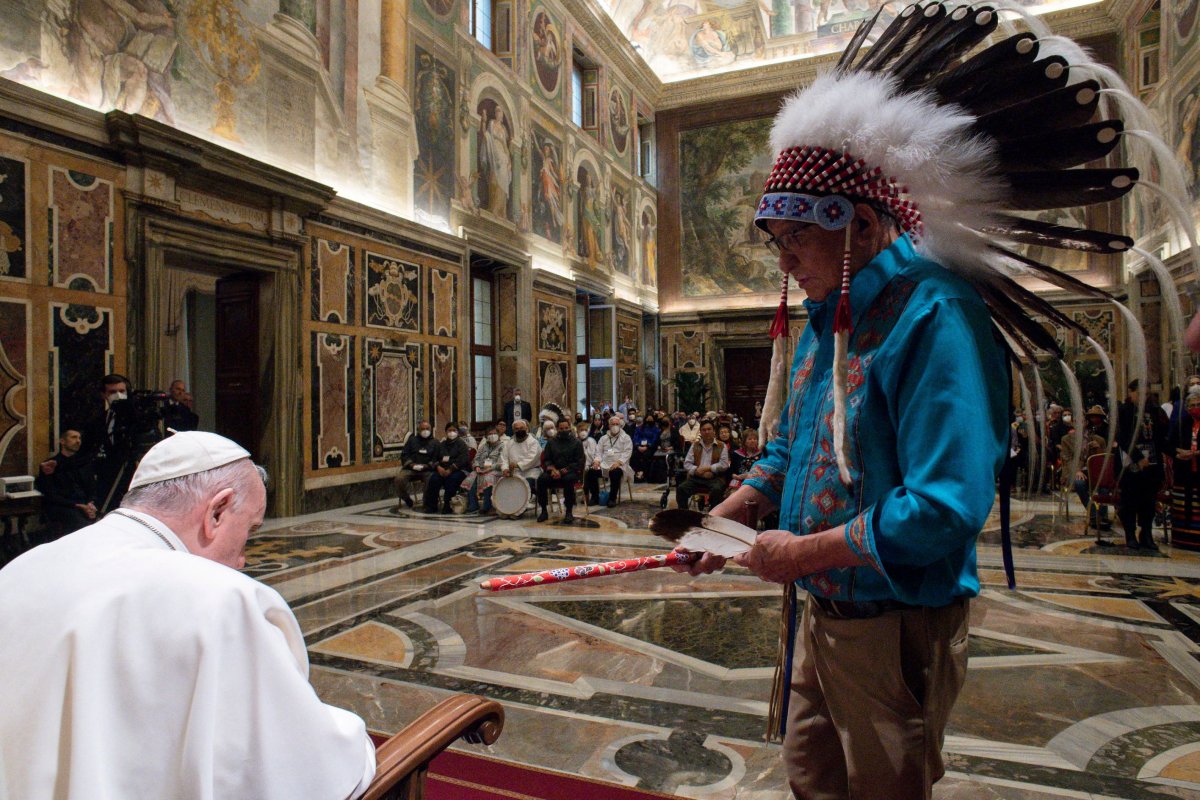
(725,436)
(596,429)
(562,467)
(522,455)
(706,463)
(449,471)
(420,453)
(178,414)
(645,445)
(464,433)
(487,472)
(689,432)
(591,449)
(744,458)
(68,485)
(548,432)
(612,459)
(502,431)
(139,663)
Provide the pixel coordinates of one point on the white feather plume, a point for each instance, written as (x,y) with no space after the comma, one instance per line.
(926,147)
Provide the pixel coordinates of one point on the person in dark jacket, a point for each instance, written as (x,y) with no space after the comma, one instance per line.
(67,483)
(420,453)
(562,467)
(645,445)
(1142,436)
(450,470)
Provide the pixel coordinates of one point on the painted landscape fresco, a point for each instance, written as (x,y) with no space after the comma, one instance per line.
(722,169)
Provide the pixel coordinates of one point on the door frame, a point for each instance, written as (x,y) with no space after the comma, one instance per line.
(169,241)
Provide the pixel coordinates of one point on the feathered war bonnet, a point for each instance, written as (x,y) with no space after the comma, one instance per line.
(957,125)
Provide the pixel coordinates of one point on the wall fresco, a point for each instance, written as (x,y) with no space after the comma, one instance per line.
(433,107)
(552,383)
(547,180)
(546,51)
(722,169)
(552,327)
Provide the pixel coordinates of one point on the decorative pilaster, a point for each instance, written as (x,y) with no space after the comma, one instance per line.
(395,130)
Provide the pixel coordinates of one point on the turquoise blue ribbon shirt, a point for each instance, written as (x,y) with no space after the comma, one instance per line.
(927,425)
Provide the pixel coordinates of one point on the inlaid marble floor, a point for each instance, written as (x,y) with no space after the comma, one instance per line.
(1083,683)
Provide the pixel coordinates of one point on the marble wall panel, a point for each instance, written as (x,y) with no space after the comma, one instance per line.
(81,230)
(506,287)
(332,282)
(81,353)
(394,378)
(552,326)
(443,305)
(15,321)
(393,292)
(14,218)
(444,366)
(627,383)
(332,382)
(553,386)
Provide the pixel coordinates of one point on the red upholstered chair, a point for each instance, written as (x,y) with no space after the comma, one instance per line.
(1102,484)
(403,760)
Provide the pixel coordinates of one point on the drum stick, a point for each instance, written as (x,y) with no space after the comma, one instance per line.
(581,571)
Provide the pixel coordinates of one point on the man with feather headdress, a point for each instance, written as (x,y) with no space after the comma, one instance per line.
(890,204)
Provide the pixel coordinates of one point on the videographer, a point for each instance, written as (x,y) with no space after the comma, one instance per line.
(119,435)
(178,414)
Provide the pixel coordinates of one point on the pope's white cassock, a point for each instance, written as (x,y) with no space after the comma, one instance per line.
(131,668)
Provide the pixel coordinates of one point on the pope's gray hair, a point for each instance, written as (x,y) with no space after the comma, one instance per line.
(180,495)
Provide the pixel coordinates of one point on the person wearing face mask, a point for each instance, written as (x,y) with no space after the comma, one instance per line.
(591,448)
(562,467)
(502,431)
(449,471)
(612,458)
(517,408)
(106,445)
(645,444)
(421,452)
(690,430)
(522,455)
(487,472)
(548,432)
(464,435)
(1185,491)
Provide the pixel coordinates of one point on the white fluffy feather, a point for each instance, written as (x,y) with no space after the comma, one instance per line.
(925,147)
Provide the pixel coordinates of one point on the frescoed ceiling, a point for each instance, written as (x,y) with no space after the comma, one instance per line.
(683,39)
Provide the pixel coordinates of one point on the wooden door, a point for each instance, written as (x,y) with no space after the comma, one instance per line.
(747,370)
(237,375)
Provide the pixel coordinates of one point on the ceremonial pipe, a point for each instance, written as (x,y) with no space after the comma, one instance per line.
(562,574)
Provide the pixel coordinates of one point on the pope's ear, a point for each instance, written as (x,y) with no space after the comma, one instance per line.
(216,508)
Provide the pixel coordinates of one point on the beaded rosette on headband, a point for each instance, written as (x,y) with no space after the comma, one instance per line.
(965,129)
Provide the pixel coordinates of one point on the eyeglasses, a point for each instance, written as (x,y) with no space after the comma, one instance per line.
(778,244)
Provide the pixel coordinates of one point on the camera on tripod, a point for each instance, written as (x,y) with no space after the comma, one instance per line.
(138,422)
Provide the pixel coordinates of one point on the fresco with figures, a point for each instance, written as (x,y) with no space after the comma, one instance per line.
(683,39)
(722,168)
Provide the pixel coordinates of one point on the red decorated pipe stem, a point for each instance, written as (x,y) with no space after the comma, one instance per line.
(562,574)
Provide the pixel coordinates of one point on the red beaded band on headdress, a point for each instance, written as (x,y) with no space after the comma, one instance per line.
(820,169)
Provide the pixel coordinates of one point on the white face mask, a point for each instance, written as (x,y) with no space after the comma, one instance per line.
(425,434)
(452,435)
(118,396)
(516,398)
(582,435)
(493,438)
(614,430)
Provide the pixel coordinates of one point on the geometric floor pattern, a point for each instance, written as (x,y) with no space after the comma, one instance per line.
(1083,682)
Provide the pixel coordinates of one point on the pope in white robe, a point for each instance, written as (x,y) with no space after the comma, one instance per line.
(133,668)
